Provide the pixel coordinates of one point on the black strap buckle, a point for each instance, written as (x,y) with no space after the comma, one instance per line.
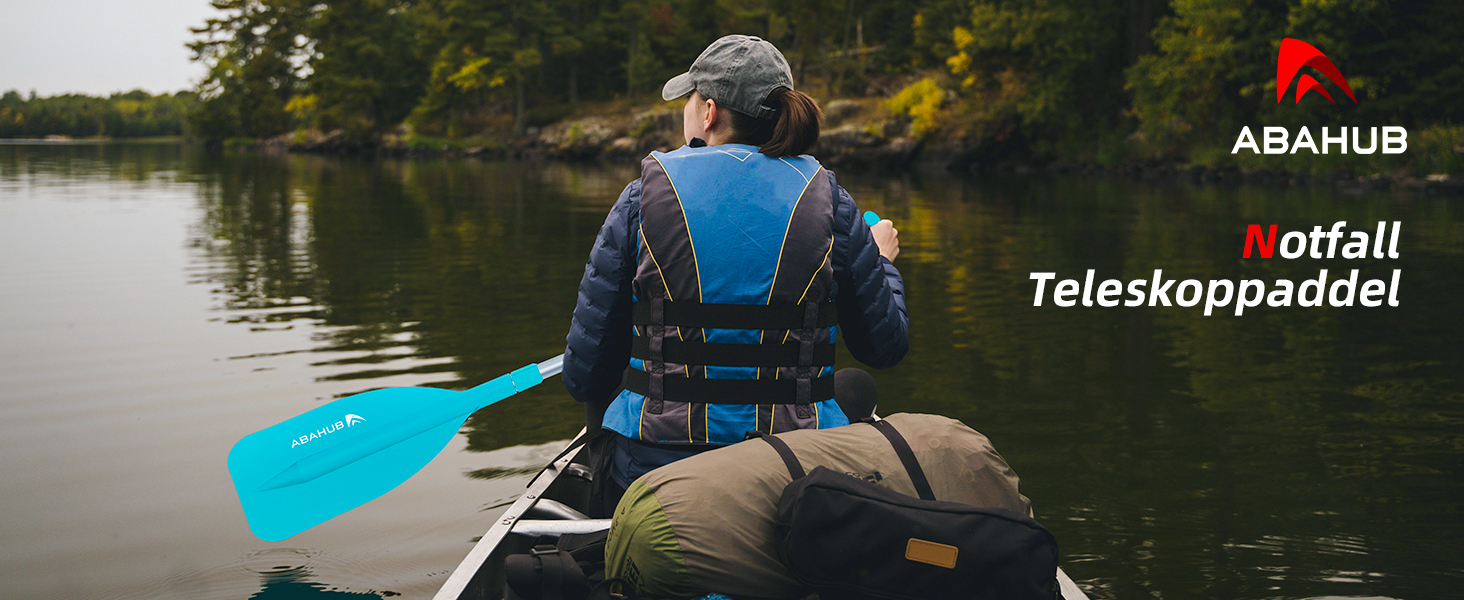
(656,366)
(805,362)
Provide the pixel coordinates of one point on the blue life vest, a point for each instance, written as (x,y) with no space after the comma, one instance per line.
(734,324)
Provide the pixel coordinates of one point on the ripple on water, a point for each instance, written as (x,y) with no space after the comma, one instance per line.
(278,561)
(269,574)
(1351,598)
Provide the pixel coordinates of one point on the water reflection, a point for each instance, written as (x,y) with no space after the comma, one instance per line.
(286,573)
(1167,432)
(1174,454)
(296,585)
(456,269)
(1289,453)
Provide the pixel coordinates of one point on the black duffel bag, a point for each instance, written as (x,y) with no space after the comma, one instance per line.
(849,539)
(570,569)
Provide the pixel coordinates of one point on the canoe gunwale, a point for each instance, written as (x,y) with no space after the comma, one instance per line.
(462,577)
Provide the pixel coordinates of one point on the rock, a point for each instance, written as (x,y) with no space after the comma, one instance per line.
(623,146)
(1437,183)
(655,122)
(862,145)
(906,146)
(579,139)
(838,111)
(847,145)
(1376,181)
(311,141)
(853,135)
(894,128)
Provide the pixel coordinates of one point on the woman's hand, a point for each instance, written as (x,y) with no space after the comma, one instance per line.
(887,238)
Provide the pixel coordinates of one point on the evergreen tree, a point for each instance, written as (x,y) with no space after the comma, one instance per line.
(366,74)
(255,55)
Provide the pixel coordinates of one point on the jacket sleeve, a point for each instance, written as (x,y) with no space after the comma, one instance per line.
(598,346)
(871,293)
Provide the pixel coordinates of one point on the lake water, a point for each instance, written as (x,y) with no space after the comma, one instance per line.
(158,303)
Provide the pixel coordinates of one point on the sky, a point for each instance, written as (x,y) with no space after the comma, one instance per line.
(98,47)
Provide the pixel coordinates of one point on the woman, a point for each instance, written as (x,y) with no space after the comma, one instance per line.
(721,277)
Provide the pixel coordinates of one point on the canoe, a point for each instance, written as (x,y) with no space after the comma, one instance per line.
(556,502)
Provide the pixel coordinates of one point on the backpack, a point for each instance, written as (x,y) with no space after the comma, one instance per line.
(849,539)
(710,523)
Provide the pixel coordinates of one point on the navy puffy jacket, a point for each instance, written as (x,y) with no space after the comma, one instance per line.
(867,287)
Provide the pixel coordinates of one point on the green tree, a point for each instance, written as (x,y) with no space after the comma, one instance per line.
(471,49)
(1205,78)
(131,114)
(255,53)
(1036,75)
(1214,69)
(366,74)
(1405,54)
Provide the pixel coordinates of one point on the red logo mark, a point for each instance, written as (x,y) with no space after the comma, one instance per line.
(1296,54)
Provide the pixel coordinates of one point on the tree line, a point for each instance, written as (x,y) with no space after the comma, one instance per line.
(456,67)
(1069,78)
(1035,74)
(131,114)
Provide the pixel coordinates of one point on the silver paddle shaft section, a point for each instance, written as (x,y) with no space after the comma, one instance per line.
(551,367)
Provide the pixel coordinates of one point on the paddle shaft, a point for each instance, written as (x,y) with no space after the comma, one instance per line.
(333,458)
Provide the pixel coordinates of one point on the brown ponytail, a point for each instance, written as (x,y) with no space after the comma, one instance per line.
(792,134)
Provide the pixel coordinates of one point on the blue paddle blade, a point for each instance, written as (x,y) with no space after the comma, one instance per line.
(314,467)
(870,218)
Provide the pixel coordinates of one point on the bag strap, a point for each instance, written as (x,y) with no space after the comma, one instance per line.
(907,458)
(902,449)
(546,573)
(789,459)
(552,565)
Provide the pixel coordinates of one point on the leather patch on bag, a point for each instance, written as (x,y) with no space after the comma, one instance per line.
(931,553)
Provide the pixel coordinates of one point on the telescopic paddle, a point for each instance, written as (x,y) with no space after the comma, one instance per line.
(315,467)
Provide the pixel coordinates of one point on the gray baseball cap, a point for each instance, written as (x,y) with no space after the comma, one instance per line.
(737,71)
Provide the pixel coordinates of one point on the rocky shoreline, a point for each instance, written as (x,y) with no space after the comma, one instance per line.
(884,144)
(847,141)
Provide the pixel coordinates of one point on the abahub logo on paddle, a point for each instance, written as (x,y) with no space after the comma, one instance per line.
(346,421)
(1294,55)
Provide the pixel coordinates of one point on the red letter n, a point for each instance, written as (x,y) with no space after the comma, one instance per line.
(1253,232)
